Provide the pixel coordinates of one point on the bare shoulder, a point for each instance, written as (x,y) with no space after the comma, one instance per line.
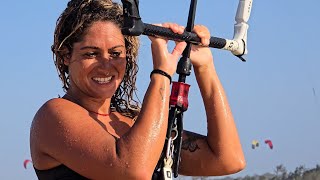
(63,132)
(45,113)
(48,115)
(51,107)
(45,122)
(56,123)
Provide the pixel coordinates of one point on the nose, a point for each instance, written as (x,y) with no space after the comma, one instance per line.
(104,60)
(104,65)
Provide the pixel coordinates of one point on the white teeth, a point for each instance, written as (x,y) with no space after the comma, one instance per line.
(102,80)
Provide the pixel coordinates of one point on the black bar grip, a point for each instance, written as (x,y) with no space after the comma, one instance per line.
(153,30)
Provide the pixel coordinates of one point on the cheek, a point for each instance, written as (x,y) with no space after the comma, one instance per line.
(124,65)
(121,67)
(78,70)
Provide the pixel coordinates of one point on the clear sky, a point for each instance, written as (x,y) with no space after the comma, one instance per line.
(274,95)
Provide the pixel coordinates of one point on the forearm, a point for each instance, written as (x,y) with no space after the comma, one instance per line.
(222,134)
(145,140)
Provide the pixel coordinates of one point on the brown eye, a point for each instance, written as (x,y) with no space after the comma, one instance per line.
(115,54)
(91,54)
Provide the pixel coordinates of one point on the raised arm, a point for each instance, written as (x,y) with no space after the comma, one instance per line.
(220,152)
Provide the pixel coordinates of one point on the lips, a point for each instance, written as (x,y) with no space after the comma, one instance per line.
(102,80)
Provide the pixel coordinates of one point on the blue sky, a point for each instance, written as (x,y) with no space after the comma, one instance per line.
(274,95)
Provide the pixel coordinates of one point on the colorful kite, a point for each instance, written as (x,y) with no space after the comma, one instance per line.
(254,144)
(269,142)
(26,162)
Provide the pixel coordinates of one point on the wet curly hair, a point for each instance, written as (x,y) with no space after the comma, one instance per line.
(71,26)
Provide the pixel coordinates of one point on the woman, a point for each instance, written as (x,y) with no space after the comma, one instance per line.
(97,130)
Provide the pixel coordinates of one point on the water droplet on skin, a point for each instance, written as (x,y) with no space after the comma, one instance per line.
(127,165)
(111,164)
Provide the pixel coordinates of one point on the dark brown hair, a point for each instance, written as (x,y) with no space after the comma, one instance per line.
(71,27)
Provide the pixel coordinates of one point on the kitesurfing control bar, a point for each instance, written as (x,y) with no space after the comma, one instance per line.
(134,26)
(152,30)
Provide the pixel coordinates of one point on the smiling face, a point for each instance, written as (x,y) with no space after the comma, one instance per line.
(98,62)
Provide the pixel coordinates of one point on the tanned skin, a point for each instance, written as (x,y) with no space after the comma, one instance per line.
(118,147)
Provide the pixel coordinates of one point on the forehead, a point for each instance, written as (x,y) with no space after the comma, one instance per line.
(102,32)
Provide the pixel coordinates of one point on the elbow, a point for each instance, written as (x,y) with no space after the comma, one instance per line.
(242,165)
(140,175)
(238,166)
(136,172)
(226,165)
(223,167)
(235,165)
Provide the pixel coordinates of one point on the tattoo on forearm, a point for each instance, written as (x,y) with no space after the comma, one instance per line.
(190,143)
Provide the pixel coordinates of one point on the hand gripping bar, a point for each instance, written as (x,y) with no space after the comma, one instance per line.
(134,26)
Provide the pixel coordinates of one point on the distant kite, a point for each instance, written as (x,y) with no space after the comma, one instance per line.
(269,142)
(254,144)
(26,162)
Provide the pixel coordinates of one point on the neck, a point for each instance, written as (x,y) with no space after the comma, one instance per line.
(101,114)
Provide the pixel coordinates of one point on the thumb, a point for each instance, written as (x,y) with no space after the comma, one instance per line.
(178,49)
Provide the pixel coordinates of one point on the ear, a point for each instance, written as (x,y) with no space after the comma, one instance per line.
(66,55)
(66,59)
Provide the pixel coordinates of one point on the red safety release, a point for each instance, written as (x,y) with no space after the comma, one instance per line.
(179,95)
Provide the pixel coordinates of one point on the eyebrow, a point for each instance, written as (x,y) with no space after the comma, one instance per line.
(94,47)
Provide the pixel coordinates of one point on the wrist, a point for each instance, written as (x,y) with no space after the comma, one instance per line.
(160,72)
(209,67)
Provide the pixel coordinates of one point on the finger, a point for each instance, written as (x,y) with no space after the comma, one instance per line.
(203,33)
(181,29)
(174,27)
(178,49)
(155,38)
